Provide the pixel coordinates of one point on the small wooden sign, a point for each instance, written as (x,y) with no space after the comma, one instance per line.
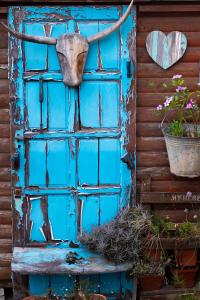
(168,198)
(166,50)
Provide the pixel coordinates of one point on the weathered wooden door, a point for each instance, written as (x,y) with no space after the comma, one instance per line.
(71,165)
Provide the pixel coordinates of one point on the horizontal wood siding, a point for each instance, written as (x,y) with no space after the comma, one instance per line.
(152,158)
(5,181)
(151,153)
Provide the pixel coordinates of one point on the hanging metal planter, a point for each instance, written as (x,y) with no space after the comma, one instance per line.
(183,154)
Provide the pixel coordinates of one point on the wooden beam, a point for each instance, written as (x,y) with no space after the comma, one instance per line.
(169,292)
(168,198)
(174,243)
(46,2)
(3,10)
(6,283)
(53,261)
(155,8)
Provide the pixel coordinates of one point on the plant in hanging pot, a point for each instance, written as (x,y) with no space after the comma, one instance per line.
(182,130)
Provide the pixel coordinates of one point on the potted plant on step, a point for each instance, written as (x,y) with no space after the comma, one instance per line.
(184,278)
(182,131)
(150,275)
(187,257)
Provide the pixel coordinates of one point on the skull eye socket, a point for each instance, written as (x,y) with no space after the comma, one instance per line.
(81,61)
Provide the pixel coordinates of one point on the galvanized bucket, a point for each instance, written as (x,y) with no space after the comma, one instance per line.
(183,154)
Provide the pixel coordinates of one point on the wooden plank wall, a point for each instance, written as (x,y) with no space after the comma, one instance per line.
(151,152)
(5,182)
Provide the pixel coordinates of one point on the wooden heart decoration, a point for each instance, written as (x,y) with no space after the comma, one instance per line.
(166,50)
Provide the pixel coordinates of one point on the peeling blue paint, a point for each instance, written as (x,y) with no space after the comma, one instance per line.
(71,140)
(37,220)
(18,208)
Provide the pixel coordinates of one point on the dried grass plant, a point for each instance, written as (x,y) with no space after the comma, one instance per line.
(123,238)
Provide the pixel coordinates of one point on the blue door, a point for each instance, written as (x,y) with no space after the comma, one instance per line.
(69,145)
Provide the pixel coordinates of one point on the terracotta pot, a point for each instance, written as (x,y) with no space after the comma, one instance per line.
(187,276)
(154,255)
(97,297)
(151,282)
(186,257)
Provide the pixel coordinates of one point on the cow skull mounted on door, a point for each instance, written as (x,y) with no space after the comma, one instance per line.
(72,49)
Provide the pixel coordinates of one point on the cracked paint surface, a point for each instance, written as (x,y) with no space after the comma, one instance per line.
(71,141)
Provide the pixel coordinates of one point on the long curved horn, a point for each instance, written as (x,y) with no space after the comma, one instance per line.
(113,28)
(30,38)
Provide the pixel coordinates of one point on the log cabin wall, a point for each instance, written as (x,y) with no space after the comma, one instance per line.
(5,181)
(151,153)
(152,158)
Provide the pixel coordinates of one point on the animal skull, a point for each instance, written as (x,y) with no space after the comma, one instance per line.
(72,49)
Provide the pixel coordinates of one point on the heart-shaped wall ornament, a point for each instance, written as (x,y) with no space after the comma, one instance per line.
(166,50)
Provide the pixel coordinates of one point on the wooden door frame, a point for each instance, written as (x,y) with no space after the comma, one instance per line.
(19,282)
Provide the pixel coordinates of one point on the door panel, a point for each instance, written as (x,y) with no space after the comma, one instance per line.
(62,217)
(109,161)
(56,109)
(37,163)
(88,162)
(104,101)
(33,61)
(58,163)
(71,141)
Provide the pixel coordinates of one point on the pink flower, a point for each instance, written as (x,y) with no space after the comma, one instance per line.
(168,101)
(180,88)
(177,76)
(189,105)
(159,107)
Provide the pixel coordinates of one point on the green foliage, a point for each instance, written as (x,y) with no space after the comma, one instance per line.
(164,227)
(176,128)
(181,103)
(167,226)
(165,86)
(155,229)
(198,219)
(178,280)
(187,297)
(187,229)
(160,226)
